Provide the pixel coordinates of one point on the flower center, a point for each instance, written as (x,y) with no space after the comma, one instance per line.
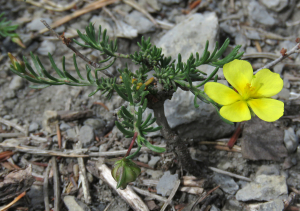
(248,90)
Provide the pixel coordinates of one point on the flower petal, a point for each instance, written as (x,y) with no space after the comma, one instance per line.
(266,83)
(267,109)
(238,73)
(220,93)
(236,112)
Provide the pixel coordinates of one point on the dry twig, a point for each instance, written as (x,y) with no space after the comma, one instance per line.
(18,127)
(56,185)
(229,174)
(295,49)
(45,186)
(13,202)
(52,6)
(147,193)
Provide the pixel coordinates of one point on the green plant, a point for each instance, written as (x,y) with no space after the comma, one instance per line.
(135,87)
(8,30)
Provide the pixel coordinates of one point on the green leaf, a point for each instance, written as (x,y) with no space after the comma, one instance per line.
(39,86)
(153,148)
(123,130)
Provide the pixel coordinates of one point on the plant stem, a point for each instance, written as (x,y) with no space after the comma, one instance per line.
(131,144)
(235,136)
(174,142)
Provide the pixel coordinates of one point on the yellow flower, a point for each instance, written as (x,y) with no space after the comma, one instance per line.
(252,91)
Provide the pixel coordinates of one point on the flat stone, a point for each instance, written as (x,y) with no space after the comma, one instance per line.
(284,94)
(166,183)
(95,123)
(180,111)
(16,83)
(63,126)
(268,170)
(143,158)
(262,141)
(86,135)
(290,140)
(153,161)
(227,184)
(138,21)
(275,5)
(71,133)
(276,205)
(36,24)
(264,188)
(155,174)
(33,127)
(46,47)
(259,14)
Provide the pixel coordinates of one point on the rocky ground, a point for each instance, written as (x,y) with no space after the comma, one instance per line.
(262,172)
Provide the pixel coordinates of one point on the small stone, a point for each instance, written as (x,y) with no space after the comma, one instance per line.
(63,126)
(276,205)
(72,204)
(96,124)
(166,183)
(259,14)
(10,94)
(36,24)
(16,83)
(86,135)
(143,158)
(94,149)
(138,21)
(232,204)
(103,147)
(33,127)
(268,170)
(35,194)
(155,174)
(46,47)
(153,161)
(264,188)
(214,208)
(71,133)
(48,118)
(275,5)
(278,68)
(286,83)
(290,140)
(227,184)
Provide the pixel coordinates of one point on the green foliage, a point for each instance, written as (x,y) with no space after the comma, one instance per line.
(132,86)
(6,29)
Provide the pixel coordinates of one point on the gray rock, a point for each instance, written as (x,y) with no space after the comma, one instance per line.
(36,24)
(227,184)
(214,208)
(276,5)
(153,161)
(138,21)
(268,170)
(71,133)
(284,94)
(180,111)
(143,158)
(10,94)
(86,135)
(116,132)
(46,47)
(33,127)
(16,83)
(259,14)
(264,188)
(276,205)
(166,183)
(73,205)
(260,133)
(96,124)
(63,126)
(286,82)
(118,205)
(48,118)
(232,204)
(290,140)
(35,194)
(26,38)
(278,68)
(103,147)
(170,2)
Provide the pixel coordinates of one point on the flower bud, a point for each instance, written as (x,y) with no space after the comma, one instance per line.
(18,41)
(125,171)
(14,62)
